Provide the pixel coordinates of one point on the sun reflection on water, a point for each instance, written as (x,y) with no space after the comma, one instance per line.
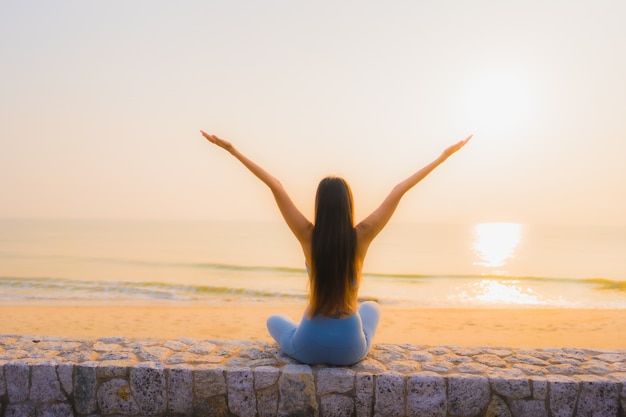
(492,292)
(495,243)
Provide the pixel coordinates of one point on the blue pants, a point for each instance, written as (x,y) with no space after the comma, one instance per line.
(326,340)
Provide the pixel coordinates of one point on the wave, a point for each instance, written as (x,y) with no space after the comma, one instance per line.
(599,282)
(54,288)
(607,284)
(62,288)
(158,264)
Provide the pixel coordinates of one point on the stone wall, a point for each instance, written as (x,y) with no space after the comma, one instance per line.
(184,377)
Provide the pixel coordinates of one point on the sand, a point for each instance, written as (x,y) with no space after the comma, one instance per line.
(518,328)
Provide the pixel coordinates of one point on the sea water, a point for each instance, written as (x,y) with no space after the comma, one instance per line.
(413,265)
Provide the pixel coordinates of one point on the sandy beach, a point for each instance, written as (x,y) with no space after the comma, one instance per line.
(531,328)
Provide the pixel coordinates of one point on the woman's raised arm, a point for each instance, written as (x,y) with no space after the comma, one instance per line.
(369,228)
(297,222)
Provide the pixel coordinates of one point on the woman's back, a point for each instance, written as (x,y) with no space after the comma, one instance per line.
(333,251)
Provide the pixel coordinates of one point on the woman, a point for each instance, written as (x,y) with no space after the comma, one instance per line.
(333,330)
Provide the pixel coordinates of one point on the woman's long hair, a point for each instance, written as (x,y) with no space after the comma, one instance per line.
(333,250)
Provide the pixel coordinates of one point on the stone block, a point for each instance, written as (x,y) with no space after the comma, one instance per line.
(209,381)
(77,357)
(529,408)
(254,353)
(267,401)
(526,359)
(540,388)
(112,339)
(619,367)
(116,368)
(490,360)
(13,354)
(17,381)
(576,353)
(511,387)
(564,369)
(297,392)
(282,358)
(565,359)
(454,358)
(505,373)
(85,388)
(337,406)
(154,353)
(334,381)
(214,406)
(437,350)
(175,345)
(115,397)
(106,346)
(386,356)
(278,354)
(55,410)
(498,408)
(3,384)
(116,356)
(364,394)
(209,391)
(202,348)
(531,369)
(391,347)
(180,390)
(262,362)
(468,395)
(44,384)
(623,397)
(180,357)
(468,351)
(65,372)
(241,397)
(426,395)
(20,410)
(421,356)
(612,357)
(370,365)
(404,366)
(596,367)
(148,384)
(563,395)
(544,354)
(390,395)
(237,362)
(438,366)
(265,376)
(598,397)
(472,368)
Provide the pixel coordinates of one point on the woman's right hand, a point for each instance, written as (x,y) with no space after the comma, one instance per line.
(453,148)
(217,141)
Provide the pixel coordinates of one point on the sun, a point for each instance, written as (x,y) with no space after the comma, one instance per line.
(497,99)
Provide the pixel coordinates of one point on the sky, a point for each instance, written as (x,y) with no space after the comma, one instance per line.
(101,104)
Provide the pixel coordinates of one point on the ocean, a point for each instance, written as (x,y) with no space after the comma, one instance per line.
(486,265)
